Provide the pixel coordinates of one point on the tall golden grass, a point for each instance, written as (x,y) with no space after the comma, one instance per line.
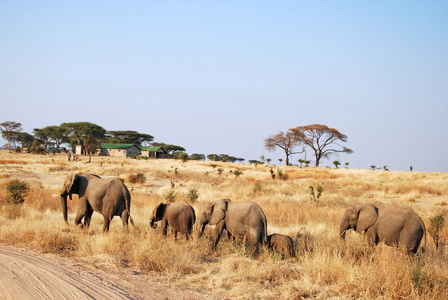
(325,266)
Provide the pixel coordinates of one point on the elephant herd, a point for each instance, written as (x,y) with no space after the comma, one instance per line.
(398,227)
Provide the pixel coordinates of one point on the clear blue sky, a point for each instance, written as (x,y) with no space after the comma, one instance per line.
(221,76)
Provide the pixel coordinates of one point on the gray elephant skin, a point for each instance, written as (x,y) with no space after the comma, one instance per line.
(109,197)
(239,219)
(179,216)
(282,243)
(398,227)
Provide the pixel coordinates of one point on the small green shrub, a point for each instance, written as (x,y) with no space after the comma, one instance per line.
(170,195)
(316,193)
(436,225)
(237,173)
(18,190)
(193,194)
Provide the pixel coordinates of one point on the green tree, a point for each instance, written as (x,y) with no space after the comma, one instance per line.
(25,139)
(9,130)
(130,137)
(321,139)
(53,136)
(85,134)
(214,157)
(171,149)
(336,164)
(196,156)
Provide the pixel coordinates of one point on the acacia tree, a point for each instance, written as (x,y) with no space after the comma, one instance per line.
(286,141)
(84,134)
(25,139)
(9,130)
(51,136)
(320,138)
(130,137)
(171,149)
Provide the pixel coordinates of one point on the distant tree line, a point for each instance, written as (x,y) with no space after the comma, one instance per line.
(89,136)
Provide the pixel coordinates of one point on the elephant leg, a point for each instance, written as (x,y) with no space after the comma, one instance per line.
(217,233)
(82,212)
(88,216)
(253,240)
(164,227)
(372,237)
(125,218)
(106,225)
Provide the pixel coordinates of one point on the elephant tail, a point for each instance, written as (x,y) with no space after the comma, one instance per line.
(423,247)
(265,238)
(127,201)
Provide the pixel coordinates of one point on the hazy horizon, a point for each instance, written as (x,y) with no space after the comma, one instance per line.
(220,77)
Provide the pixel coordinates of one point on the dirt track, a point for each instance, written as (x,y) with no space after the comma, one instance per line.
(28,276)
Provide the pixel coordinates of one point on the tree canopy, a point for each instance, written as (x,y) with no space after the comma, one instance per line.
(129,137)
(321,139)
(285,141)
(9,130)
(84,134)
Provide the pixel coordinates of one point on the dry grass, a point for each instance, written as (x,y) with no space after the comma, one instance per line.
(325,267)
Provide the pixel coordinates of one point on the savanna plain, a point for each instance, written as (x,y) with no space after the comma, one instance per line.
(325,267)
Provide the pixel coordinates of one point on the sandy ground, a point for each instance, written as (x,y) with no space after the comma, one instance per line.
(24,276)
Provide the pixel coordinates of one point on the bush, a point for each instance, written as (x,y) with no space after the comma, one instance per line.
(193,194)
(137,178)
(18,191)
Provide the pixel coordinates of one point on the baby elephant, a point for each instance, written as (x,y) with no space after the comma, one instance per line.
(282,243)
(180,217)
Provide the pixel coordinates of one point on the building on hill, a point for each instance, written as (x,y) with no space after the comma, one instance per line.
(153,151)
(118,150)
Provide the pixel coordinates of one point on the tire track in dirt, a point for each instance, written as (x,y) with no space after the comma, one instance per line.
(27,276)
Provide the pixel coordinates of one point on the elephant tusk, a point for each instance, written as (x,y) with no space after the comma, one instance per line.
(55,195)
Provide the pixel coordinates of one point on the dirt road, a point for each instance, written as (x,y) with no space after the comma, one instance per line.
(28,276)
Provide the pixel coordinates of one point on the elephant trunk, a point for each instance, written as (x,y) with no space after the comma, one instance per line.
(201,231)
(64,206)
(152,223)
(343,229)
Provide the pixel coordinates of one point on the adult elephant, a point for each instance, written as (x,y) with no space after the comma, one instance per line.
(239,219)
(180,217)
(394,226)
(109,197)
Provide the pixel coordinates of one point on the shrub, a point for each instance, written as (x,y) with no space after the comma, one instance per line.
(316,194)
(18,190)
(436,225)
(137,178)
(193,194)
(237,173)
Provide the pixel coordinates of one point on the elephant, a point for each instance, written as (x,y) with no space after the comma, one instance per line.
(109,197)
(180,217)
(394,226)
(239,219)
(282,243)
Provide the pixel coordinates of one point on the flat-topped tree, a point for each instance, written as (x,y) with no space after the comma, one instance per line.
(85,134)
(321,139)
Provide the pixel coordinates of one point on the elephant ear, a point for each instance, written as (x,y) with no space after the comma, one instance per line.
(72,184)
(160,211)
(219,209)
(367,215)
